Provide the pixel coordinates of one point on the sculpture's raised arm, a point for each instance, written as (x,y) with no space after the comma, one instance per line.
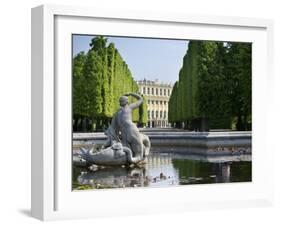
(137,103)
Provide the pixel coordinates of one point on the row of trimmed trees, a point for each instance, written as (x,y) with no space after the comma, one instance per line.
(100,77)
(214,87)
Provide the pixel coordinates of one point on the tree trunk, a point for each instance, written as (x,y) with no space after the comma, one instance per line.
(239,123)
(84,124)
(99,125)
(204,125)
(74,125)
(186,127)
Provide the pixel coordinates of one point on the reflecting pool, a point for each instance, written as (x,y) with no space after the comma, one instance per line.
(166,169)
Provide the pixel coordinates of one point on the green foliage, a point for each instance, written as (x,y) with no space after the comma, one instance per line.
(215,84)
(93,84)
(173,104)
(79,100)
(143,112)
(100,77)
(110,72)
(98,43)
(83,187)
(239,72)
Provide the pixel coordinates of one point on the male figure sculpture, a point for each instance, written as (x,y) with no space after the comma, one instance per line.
(124,144)
(130,135)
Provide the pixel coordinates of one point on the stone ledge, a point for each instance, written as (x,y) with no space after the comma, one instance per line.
(207,143)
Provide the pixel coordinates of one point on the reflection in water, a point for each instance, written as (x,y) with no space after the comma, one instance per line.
(115,177)
(165,170)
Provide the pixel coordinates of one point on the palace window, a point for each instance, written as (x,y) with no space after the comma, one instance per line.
(156,101)
(168,92)
(152,101)
(148,114)
(156,91)
(165,114)
(152,91)
(160,92)
(160,114)
(156,114)
(143,90)
(148,90)
(164,92)
(152,114)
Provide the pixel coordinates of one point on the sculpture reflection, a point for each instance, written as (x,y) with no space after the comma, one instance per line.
(116,177)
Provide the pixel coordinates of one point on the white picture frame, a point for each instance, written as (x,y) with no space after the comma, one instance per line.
(51,126)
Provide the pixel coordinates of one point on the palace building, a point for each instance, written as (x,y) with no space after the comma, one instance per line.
(157,96)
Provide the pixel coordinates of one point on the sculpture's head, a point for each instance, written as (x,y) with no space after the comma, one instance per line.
(123,100)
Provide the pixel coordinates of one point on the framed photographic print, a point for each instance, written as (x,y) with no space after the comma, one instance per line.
(136,113)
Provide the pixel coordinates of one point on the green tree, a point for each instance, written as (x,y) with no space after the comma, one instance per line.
(143,113)
(93,72)
(214,86)
(99,78)
(98,44)
(173,105)
(212,93)
(79,102)
(239,73)
(110,71)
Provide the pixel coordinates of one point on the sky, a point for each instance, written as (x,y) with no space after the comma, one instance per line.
(146,58)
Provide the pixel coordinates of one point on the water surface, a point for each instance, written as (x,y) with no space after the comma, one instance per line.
(166,169)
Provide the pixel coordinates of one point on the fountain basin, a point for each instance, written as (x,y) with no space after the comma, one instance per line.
(199,143)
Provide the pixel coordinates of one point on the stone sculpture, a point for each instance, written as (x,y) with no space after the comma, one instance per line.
(124,144)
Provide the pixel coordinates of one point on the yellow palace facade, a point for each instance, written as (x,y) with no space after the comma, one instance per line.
(157,95)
